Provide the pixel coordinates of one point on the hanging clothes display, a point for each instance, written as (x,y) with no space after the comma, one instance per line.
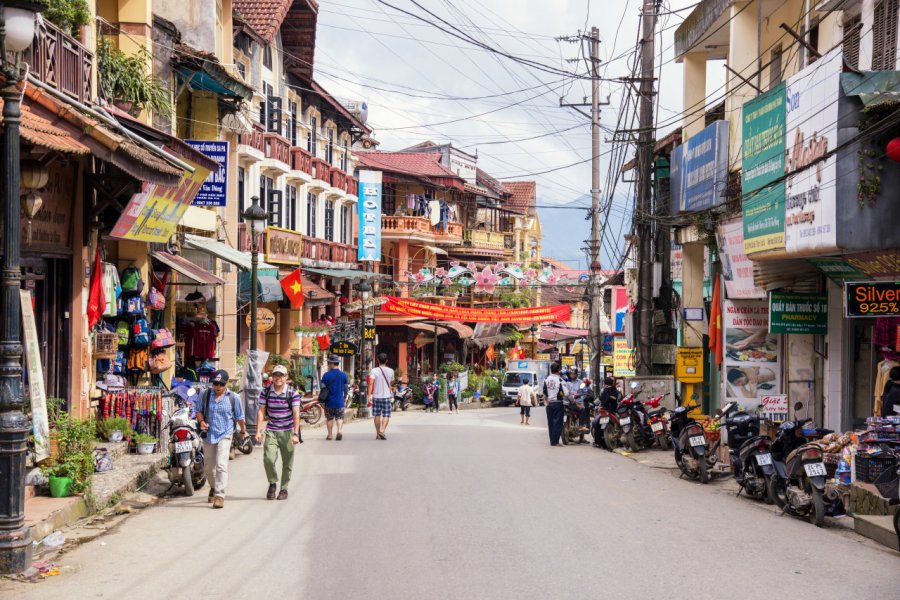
(111,289)
(882,376)
(434,212)
(140,406)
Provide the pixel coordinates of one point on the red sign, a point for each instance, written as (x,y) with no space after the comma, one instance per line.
(539,314)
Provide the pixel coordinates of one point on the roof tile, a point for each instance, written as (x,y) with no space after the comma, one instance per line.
(41,132)
(523,195)
(416,164)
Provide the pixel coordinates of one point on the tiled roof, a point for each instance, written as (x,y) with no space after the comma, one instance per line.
(523,195)
(416,164)
(40,132)
(264,16)
(485,180)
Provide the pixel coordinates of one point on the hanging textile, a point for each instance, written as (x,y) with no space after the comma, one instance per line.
(141,407)
(111,289)
(434,212)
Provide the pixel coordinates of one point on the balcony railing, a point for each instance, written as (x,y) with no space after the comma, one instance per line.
(488,239)
(352,185)
(318,249)
(256,139)
(321,170)
(408,225)
(278,148)
(338,179)
(61,62)
(301,160)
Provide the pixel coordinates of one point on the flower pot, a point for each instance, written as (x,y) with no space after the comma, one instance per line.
(61,487)
(123,106)
(115,435)
(146,447)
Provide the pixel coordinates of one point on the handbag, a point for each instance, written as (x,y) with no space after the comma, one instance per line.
(160,363)
(323,394)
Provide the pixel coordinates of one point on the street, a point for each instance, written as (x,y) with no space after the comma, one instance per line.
(468,506)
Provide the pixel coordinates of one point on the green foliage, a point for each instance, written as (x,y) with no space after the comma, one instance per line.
(68,15)
(124,78)
(453,367)
(143,438)
(515,300)
(488,383)
(76,451)
(105,426)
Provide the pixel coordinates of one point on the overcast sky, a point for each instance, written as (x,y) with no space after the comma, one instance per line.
(423,84)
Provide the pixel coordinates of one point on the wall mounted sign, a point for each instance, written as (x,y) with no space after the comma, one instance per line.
(283,246)
(343,349)
(872,299)
(51,226)
(793,312)
(623,359)
(214,191)
(369,216)
(265,319)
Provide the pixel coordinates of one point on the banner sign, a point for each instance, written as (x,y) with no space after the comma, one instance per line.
(763,164)
(36,392)
(794,312)
(623,359)
(702,169)
(283,246)
(774,408)
(539,314)
(872,299)
(369,216)
(751,361)
(214,191)
(737,269)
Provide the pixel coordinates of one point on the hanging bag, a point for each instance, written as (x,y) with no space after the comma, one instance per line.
(160,363)
(141,333)
(155,299)
(131,281)
(162,338)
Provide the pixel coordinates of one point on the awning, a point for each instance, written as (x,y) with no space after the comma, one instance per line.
(40,132)
(313,292)
(461,329)
(223,252)
(797,273)
(268,288)
(434,249)
(427,328)
(345,273)
(202,71)
(183,266)
(872,87)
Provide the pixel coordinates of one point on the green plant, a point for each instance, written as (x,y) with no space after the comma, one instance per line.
(105,426)
(61,469)
(69,15)
(515,300)
(55,408)
(75,438)
(453,367)
(125,78)
(143,438)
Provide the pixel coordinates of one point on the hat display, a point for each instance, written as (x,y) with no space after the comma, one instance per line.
(221,376)
(280,369)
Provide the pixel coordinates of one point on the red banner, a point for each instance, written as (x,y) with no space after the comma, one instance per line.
(539,314)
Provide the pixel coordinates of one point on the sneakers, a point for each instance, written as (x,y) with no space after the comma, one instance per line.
(219,502)
(338,437)
(270,495)
(212,494)
(282,495)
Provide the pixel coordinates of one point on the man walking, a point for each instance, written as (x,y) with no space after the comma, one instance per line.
(336,382)
(279,407)
(380,380)
(553,393)
(218,412)
(525,399)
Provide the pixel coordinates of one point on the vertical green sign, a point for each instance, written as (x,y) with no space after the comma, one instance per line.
(763,162)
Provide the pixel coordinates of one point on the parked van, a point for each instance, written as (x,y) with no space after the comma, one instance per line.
(520,371)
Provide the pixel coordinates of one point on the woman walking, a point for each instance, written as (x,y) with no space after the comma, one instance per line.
(525,401)
(453,393)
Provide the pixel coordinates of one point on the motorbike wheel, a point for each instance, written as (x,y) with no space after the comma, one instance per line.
(663,442)
(611,437)
(565,433)
(817,509)
(631,441)
(246,445)
(188,481)
(680,462)
(314,415)
(704,470)
(776,491)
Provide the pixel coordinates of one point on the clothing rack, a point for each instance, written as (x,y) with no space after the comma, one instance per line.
(142,407)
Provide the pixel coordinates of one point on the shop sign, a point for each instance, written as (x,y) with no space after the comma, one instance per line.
(795,312)
(810,220)
(538,314)
(214,191)
(608,344)
(872,299)
(837,269)
(368,332)
(543,356)
(36,393)
(265,319)
(623,359)
(51,225)
(762,183)
(700,167)
(737,269)
(751,363)
(343,348)
(283,246)
(568,361)
(689,365)
(774,407)
(369,216)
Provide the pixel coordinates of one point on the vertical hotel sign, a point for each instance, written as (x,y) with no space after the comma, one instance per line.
(762,183)
(369,216)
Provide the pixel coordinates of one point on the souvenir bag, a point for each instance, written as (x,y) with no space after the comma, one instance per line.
(141,333)
(104,365)
(162,338)
(131,282)
(155,299)
(138,361)
(160,363)
(134,306)
(120,364)
(123,330)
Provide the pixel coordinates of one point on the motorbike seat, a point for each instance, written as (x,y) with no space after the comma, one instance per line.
(653,403)
(656,412)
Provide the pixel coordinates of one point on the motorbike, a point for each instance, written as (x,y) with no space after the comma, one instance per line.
(692,453)
(572,432)
(311,410)
(185,446)
(402,398)
(634,424)
(607,428)
(751,454)
(797,485)
(241,443)
(658,421)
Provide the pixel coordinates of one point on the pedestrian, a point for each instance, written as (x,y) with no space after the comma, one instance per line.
(219,410)
(336,382)
(553,392)
(380,380)
(453,393)
(431,390)
(890,406)
(279,408)
(525,400)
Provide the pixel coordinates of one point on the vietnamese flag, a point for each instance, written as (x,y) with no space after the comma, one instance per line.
(293,289)
(491,354)
(715,323)
(96,296)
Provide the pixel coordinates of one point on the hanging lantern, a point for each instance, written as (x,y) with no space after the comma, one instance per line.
(893,149)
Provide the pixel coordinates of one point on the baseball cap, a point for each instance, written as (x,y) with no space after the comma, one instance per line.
(334,360)
(221,376)
(280,369)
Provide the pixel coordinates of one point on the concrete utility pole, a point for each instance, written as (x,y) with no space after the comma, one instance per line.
(643,207)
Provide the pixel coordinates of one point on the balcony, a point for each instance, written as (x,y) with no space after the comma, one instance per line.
(321,170)
(278,148)
(301,160)
(61,62)
(338,179)
(352,186)
(319,252)
(252,145)
(487,243)
(419,229)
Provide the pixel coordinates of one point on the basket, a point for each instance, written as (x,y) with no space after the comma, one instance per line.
(888,484)
(106,344)
(870,468)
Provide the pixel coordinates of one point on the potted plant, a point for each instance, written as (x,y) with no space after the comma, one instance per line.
(145,443)
(126,82)
(62,478)
(69,15)
(113,429)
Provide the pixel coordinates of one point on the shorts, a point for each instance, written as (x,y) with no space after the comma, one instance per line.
(381,407)
(334,413)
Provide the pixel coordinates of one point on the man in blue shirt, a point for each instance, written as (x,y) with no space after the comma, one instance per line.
(217,413)
(336,381)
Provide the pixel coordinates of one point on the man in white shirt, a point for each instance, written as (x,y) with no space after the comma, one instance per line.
(381,378)
(553,385)
(526,399)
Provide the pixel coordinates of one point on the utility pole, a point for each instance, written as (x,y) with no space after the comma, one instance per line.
(643,207)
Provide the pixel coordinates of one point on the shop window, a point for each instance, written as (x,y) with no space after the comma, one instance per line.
(884,32)
(242,193)
(273,207)
(852,29)
(329,220)
(311,140)
(311,210)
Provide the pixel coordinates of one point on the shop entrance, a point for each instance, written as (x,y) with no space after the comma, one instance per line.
(50,282)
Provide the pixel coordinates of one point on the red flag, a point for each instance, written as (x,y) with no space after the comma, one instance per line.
(715,323)
(96,297)
(293,289)
(490,353)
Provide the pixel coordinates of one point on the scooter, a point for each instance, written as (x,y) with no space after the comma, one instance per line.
(633,421)
(402,398)
(607,429)
(185,446)
(658,422)
(692,453)
(572,432)
(751,455)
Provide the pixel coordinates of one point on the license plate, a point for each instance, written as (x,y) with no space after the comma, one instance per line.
(656,427)
(625,421)
(763,459)
(604,421)
(183,447)
(815,469)
(698,440)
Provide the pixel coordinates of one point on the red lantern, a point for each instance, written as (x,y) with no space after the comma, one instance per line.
(893,149)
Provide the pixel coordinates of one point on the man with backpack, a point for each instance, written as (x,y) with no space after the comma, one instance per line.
(279,408)
(219,410)
(334,386)
(554,393)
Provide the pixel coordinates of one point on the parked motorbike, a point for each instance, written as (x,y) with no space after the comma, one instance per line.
(692,453)
(634,424)
(185,446)
(797,484)
(607,429)
(241,443)
(751,454)
(572,432)
(311,410)
(402,398)
(658,421)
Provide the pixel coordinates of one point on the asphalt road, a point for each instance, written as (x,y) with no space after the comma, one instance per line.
(468,506)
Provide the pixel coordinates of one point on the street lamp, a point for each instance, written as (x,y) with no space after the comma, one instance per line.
(533,329)
(256,217)
(16,35)
(364,288)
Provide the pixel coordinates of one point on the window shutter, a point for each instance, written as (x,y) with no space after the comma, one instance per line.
(884,33)
(274,125)
(851,42)
(274,208)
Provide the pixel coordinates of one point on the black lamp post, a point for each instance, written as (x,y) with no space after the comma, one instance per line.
(256,217)
(533,329)
(364,288)
(16,35)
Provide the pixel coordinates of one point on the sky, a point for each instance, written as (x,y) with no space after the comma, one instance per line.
(422,83)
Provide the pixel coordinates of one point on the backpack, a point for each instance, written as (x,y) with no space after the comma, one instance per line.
(123,330)
(134,306)
(204,404)
(140,331)
(138,361)
(290,391)
(131,281)
(104,365)
(120,365)
(155,299)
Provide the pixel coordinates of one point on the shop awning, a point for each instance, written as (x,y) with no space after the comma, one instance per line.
(313,292)
(873,87)
(222,251)
(344,273)
(268,288)
(181,265)
(202,71)
(427,328)
(461,329)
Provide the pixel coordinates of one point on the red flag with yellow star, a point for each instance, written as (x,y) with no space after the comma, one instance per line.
(293,289)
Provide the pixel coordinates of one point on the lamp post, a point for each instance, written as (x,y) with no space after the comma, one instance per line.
(533,329)
(362,411)
(16,35)
(256,217)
